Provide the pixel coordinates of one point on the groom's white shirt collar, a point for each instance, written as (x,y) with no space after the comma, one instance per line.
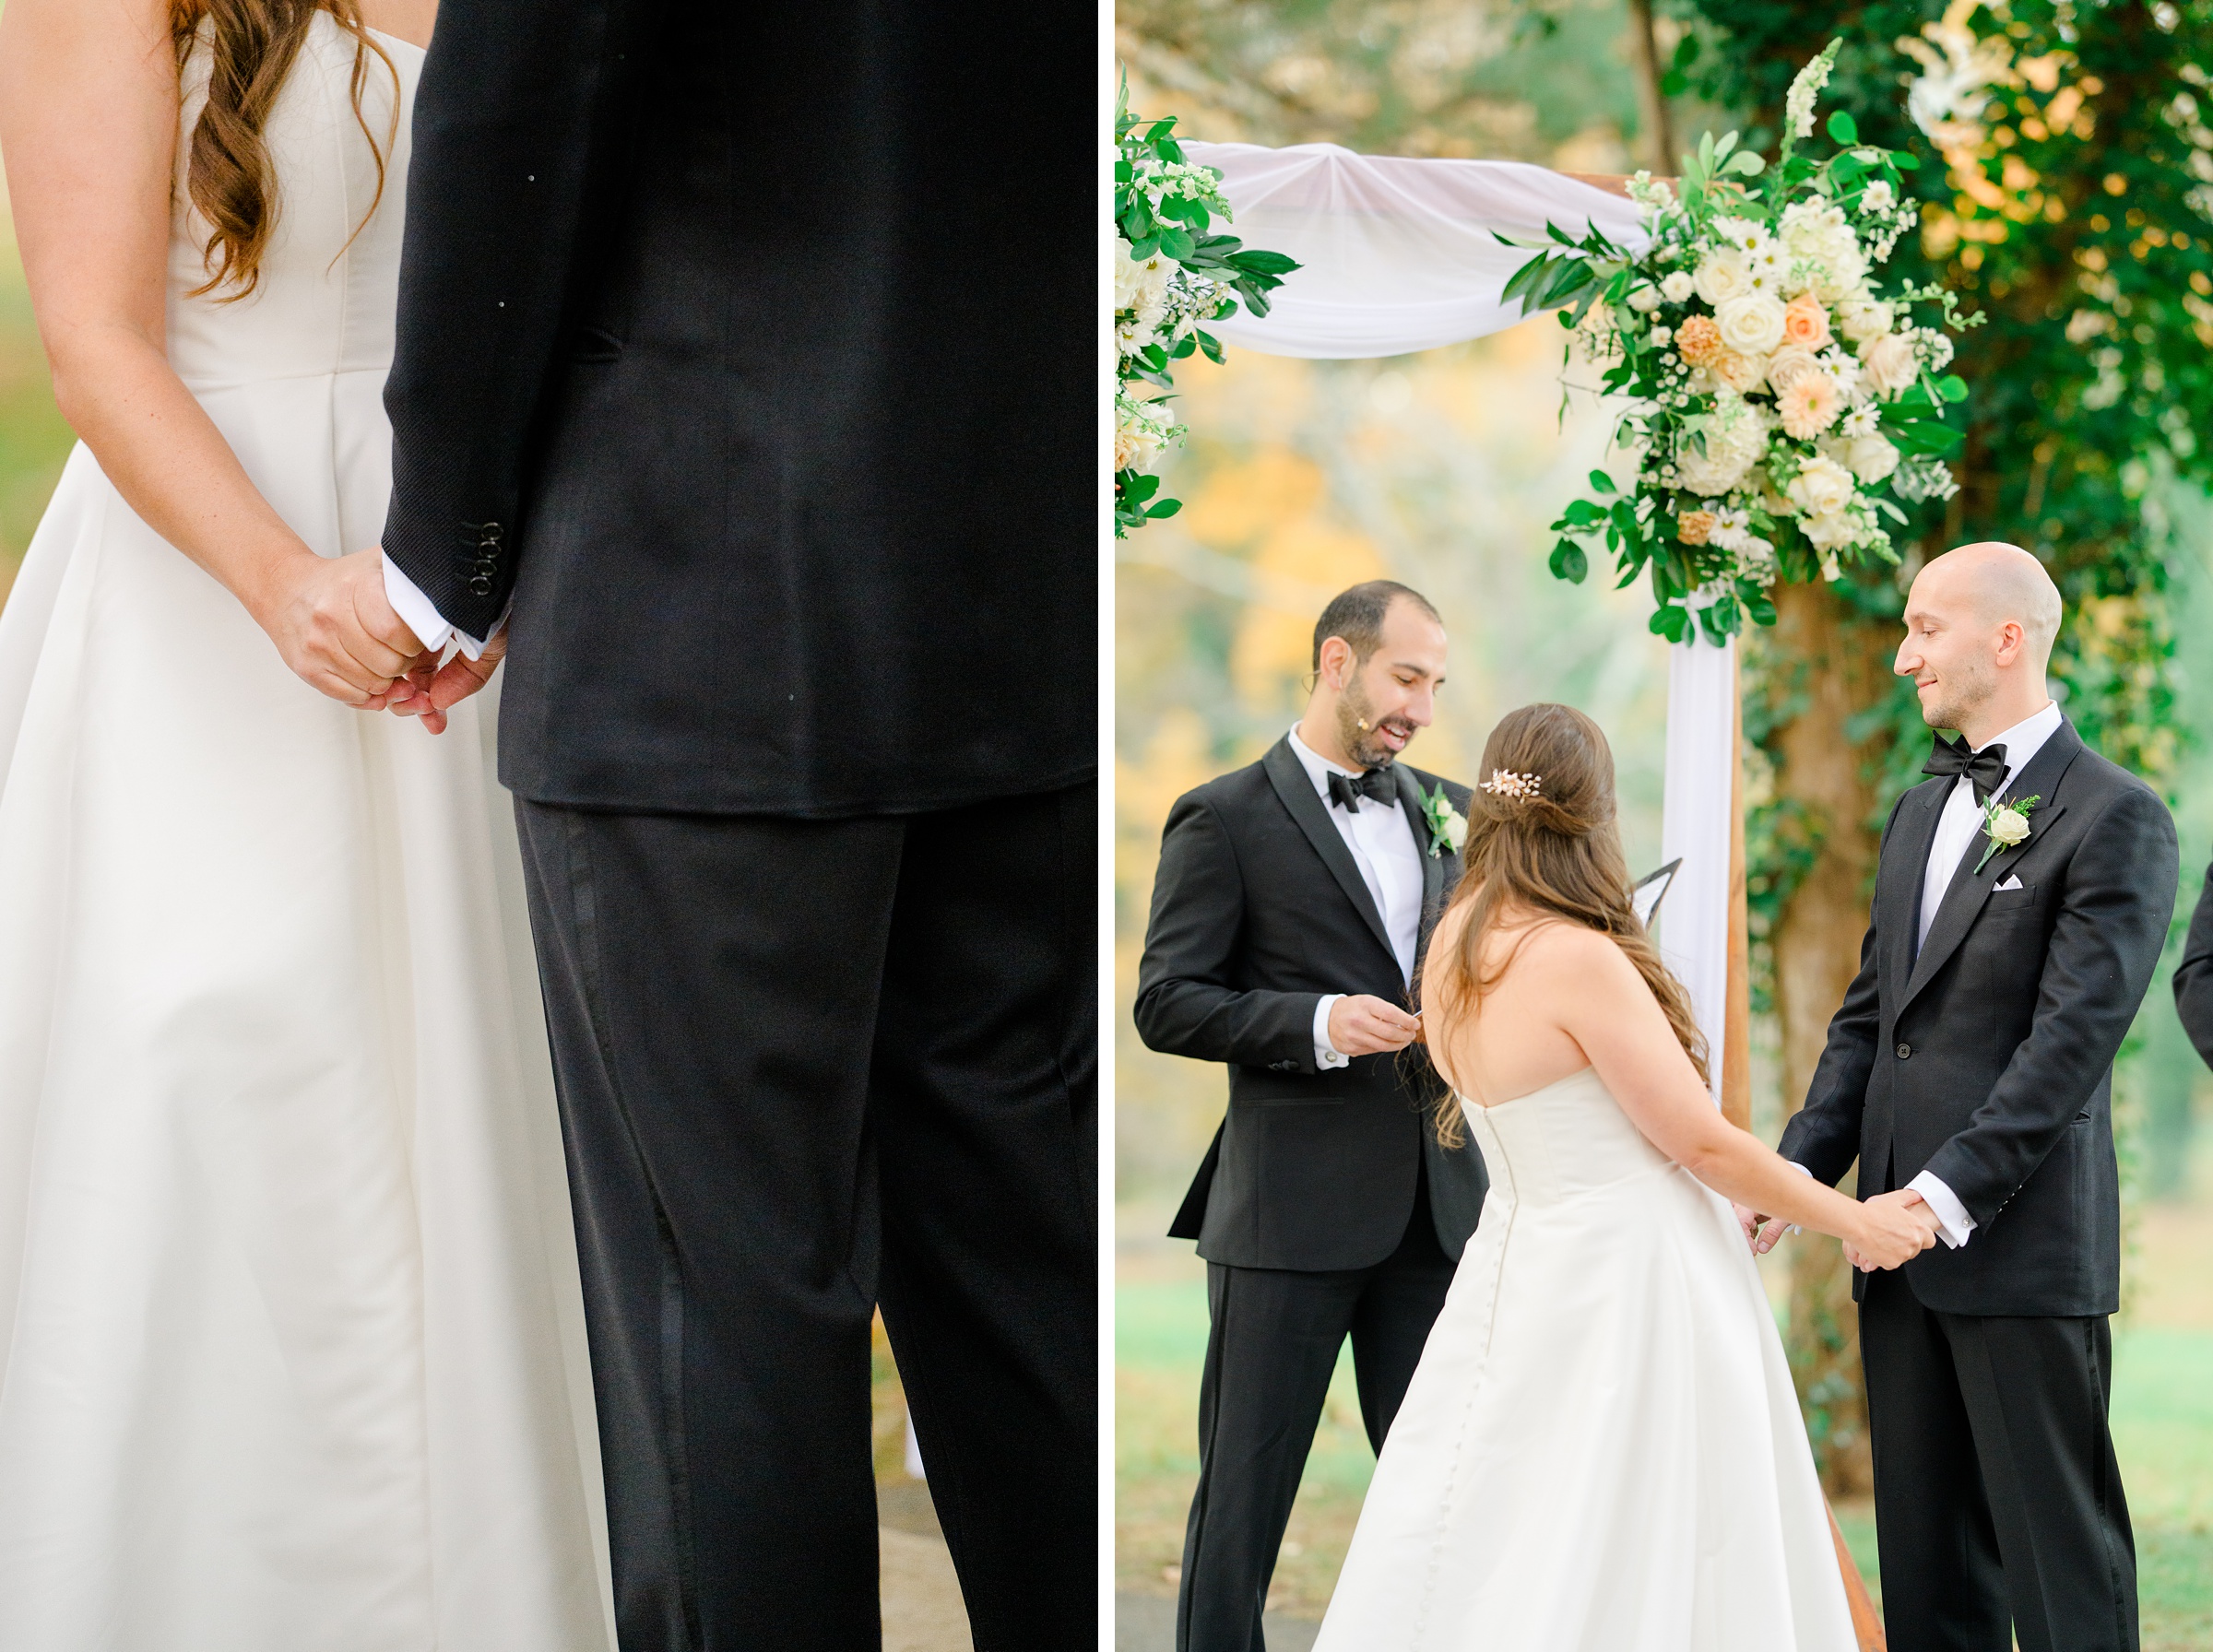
(1956,829)
(1381,841)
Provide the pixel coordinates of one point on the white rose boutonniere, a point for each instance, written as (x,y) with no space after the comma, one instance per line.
(1448,826)
(2005,824)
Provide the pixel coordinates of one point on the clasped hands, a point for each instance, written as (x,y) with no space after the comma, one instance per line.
(332,622)
(1896,1228)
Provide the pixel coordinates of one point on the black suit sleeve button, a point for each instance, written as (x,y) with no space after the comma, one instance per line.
(1904,1050)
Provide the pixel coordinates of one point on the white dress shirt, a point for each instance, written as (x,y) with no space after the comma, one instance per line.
(1381,840)
(423,618)
(1957,830)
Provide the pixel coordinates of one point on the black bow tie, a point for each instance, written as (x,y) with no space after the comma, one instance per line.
(1346,790)
(1985,770)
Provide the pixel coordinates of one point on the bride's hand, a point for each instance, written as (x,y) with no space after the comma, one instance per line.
(1893,1228)
(334,625)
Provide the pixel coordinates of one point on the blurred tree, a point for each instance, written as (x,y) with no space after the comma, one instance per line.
(2072,208)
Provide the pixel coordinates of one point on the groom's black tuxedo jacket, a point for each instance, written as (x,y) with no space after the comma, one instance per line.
(1258,910)
(752,350)
(1987,1059)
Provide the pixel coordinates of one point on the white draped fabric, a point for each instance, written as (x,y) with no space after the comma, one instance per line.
(1403,255)
(1695,824)
(1399,254)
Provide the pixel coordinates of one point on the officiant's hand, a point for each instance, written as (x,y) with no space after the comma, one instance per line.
(1362,1025)
(1896,1228)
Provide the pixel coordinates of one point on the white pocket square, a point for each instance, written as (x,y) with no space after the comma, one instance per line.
(2012,882)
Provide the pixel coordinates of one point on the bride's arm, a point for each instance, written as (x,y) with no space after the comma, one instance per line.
(1608,1010)
(89,110)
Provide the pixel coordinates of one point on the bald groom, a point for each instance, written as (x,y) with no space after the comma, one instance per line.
(1970,1067)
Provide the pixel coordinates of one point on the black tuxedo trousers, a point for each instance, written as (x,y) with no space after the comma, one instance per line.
(805,1067)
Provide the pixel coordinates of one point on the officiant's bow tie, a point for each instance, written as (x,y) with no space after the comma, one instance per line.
(1985,770)
(1346,790)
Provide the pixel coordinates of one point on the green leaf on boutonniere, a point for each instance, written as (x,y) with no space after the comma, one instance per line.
(2005,824)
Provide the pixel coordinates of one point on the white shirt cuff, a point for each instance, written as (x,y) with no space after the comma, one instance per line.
(1325,1053)
(1953,1223)
(1805,1172)
(420,617)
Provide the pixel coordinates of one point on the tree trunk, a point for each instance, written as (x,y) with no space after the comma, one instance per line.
(1837,665)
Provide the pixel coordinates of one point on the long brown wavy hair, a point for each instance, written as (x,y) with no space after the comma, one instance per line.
(251,44)
(1558,853)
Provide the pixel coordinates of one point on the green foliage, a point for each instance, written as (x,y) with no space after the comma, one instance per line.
(1172,271)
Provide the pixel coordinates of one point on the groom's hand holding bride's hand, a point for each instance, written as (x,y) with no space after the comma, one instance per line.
(1364,1025)
(430,689)
(1898,1227)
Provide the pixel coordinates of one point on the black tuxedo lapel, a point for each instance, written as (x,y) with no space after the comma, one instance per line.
(1433,866)
(1963,897)
(1293,784)
(1902,891)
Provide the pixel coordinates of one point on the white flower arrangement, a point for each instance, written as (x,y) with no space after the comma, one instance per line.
(1778,390)
(1171,271)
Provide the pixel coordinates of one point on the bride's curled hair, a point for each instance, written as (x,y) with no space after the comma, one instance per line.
(1543,839)
(251,46)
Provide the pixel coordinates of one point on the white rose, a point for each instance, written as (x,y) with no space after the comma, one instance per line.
(1456,832)
(1644,298)
(1890,363)
(1751,323)
(1870,458)
(1830,532)
(1677,286)
(1721,275)
(1140,285)
(1821,487)
(1790,365)
(2008,827)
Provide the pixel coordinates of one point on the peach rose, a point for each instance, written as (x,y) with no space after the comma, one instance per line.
(1806,322)
(1742,373)
(1695,527)
(1698,340)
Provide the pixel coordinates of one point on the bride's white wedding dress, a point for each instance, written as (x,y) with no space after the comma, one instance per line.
(289,1308)
(1600,1450)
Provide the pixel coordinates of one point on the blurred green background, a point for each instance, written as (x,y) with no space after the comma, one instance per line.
(1442,470)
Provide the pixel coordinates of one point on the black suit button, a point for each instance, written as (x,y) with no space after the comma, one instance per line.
(1904,1050)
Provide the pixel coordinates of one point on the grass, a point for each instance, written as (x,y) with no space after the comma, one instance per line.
(2162,1430)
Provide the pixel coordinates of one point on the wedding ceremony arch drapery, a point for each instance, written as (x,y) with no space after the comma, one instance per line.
(1402,254)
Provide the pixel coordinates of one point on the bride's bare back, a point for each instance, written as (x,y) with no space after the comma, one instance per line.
(1567,998)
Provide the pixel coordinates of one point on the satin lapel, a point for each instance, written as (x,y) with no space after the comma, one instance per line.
(1313,817)
(1900,894)
(1433,866)
(1964,896)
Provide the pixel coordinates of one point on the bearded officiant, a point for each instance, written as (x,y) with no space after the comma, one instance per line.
(1293,903)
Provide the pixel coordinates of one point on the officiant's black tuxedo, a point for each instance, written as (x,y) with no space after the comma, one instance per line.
(748,351)
(1985,1059)
(1325,1207)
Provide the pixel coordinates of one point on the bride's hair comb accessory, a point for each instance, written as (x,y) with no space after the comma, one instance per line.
(1505,783)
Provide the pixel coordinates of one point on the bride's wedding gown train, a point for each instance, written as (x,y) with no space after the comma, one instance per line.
(1600,1450)
(292,1329)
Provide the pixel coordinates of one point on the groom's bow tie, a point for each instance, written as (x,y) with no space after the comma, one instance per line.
(1346,790)
(1985,770)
